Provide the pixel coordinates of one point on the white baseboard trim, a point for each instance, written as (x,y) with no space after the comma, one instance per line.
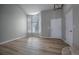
(71,45)
(49,37)
(12,40)
(66,41)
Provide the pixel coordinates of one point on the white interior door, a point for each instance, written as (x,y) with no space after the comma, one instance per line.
(56,28)
(69,27)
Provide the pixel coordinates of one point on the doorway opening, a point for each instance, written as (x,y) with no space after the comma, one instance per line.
(34,25)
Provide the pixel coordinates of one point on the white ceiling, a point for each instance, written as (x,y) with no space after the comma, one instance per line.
(31,9)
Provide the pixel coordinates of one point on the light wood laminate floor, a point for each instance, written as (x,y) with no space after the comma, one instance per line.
(33,46)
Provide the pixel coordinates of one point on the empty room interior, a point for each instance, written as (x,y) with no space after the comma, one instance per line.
(39,29)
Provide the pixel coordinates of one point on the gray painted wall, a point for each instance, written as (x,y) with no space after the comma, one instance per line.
(12,22)
(65,10)
(0,21)
(75,10)
(67,16)
(46,17)
(76,28)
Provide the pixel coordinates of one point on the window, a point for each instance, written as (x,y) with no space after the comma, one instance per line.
(33,24)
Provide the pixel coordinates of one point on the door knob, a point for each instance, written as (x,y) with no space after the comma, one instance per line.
(70,30)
